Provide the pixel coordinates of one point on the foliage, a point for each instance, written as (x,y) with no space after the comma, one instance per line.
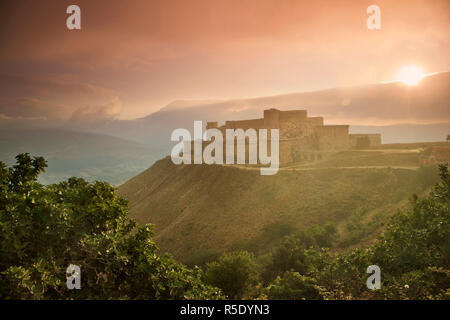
(233,273)
(272,233)
(293,286)
(356,229)
(291,254)
(44,229)
(427,176)
(413,255)
(234,209)
(416,245)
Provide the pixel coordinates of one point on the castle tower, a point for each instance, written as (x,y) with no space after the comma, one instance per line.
(271,118)
(212,125)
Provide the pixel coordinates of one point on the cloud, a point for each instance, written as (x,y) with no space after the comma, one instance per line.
(110,111)
(31,108)
(154,52)
(49,85)
(50,97)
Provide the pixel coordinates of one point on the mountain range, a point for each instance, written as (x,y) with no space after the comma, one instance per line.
(401,113)
(115,150)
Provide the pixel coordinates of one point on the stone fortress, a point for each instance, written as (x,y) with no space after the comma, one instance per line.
(303,138)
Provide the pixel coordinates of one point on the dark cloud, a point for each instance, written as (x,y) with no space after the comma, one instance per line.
(47,85)
(45,97)
(150,52)
(31,108)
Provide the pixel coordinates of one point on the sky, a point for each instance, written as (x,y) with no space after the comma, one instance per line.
(132,58)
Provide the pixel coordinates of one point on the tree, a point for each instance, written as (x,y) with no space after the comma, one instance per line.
(413,254)
(233,273)
(44,229)
(417,246)
(293,286)
(292,253)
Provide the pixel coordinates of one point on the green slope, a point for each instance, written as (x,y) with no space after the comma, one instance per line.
(202,210)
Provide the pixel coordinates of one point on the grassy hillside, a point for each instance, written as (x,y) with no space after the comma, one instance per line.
(200,210)
(369,158)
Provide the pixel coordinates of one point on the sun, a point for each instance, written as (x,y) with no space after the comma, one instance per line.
(410,75)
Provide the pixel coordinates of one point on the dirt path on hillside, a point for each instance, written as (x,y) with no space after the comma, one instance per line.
(418,150)
(302,168)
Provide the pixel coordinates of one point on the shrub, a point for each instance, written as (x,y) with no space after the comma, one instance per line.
(44,229)
(293,286)
(233,273)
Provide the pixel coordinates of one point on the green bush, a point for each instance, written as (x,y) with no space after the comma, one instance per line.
(293,286)
(233,273)
(413,255)
(291,254)
(44,229)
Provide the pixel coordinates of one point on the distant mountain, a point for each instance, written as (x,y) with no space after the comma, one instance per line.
(87,155)
(415,114)
(366,105)
(407,133)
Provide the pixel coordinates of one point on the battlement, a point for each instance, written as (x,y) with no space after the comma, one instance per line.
(212,125)
(303,137)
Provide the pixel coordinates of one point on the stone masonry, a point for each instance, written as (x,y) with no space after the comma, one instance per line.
(303,138)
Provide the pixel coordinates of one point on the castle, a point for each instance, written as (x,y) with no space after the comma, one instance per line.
(303,138)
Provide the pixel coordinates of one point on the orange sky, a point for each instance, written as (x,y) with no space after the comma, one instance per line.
(133,57)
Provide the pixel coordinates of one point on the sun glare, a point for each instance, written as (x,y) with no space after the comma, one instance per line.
(410,75)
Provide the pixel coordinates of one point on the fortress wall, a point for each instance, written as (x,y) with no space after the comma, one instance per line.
(245,124)
(286,148)
(211,125)
(295,150)
(315,121)
(248,146)
(293,114)
(290,150)
(357,140)
(271,118)
(333,137)
(301,138)
(295,128)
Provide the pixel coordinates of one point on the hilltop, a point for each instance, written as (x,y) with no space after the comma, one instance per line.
(200,210)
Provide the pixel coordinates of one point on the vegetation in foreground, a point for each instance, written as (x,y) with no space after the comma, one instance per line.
(43,229)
